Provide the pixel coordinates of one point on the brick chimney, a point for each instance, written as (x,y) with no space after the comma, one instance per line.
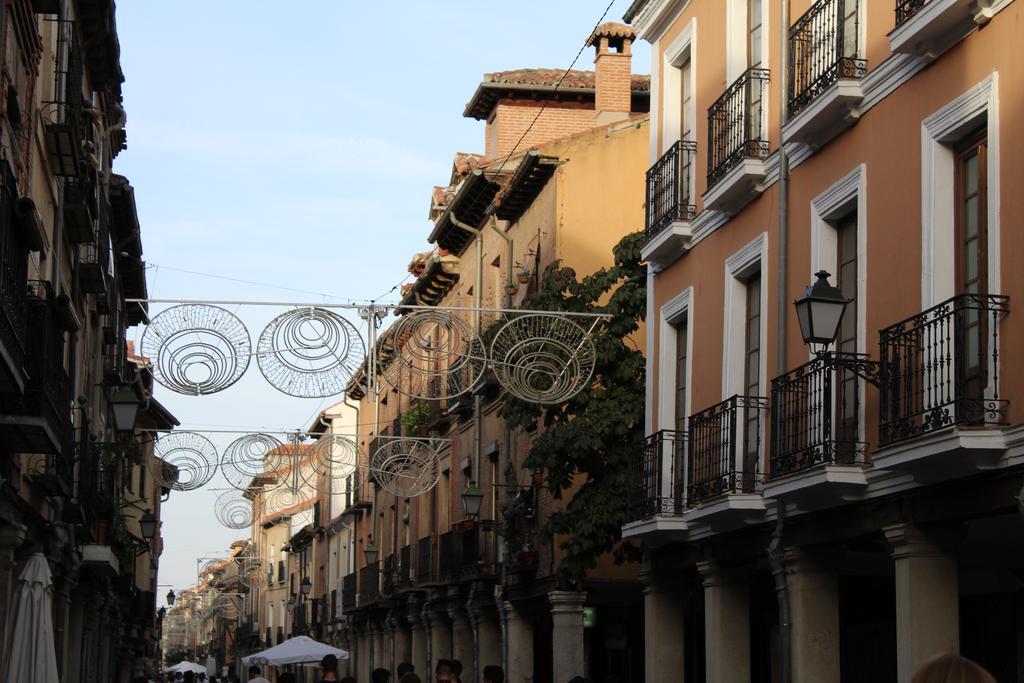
(613,77)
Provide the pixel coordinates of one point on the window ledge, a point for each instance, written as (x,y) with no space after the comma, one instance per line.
(831,113)
(657,530)
(737,188)
(729,511)
(944,455)
(663,249)
(819,487)
(938,25)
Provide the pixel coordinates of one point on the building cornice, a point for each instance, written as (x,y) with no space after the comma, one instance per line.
(655,17)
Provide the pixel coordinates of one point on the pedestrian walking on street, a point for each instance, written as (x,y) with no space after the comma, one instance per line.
(330,666)
(380,676)
(254,675)
(404,668)
(457,670)
(493,674)
(409,677)
(950,668)
(443,671)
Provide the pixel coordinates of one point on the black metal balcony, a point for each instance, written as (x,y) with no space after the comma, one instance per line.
(390,575)
(670,188)
(425,554)
(280,571)
(348,592)
(736,126)
(13,296)
(369,584)
(823,48)
(815,413)
(94,263)
(63,116)
(299,620)
(450,556)
(39,421)
(657,476)
(940,368)
(724,454)
(405,570)
(905,9)
(80,209)
(280,635)
(479,552)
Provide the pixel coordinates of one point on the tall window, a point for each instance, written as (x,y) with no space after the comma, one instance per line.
(972,255)
(686,95)
(751,376)
(682,354)
(754,30)
(850,28)
(848,410)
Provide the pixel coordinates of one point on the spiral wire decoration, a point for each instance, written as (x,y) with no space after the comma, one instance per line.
(406,467)
(233,510)
(332,460)
(255,457)
(197,349)
(543,358)
(435,355)
(192,456)
(309,352)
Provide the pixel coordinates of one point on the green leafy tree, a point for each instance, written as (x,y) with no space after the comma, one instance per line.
(586,445)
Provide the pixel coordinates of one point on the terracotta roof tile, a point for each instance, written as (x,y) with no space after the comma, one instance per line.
(550,77)
(611,29)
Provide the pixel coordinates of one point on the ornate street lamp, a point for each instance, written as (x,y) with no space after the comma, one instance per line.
(472,499)
(147,525)
(125,404)
(170,597)
(305,586)
(820,311)
(370,553)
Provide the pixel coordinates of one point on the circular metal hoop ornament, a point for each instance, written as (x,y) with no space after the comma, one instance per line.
(284,498)
(332,460)
(251,456)
(192,455)
(309,352)
(435,356)
(233,510)
(543,358)
(406,468)
(197,349)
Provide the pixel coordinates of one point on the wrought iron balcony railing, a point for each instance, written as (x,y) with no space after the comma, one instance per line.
(725,448)
(905,9)
(736,125)
(479,552)
(389,575)
(13,277)
(348,592)
(405,571)
(941,368)
(369,584)
(450,556)
(815,412)
(657,476)
(823,47)
(425,561)
(670,188)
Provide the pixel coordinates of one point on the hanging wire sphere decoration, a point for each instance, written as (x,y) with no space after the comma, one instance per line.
(197,349)
(283,499)
(192,456)
(435,356)
(250,570)
(332,460)
(255,460)
(233,510)
(406,468)
(543,358)
(309,352)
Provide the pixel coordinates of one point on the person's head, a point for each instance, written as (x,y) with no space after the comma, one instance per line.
(254,671)
(404,668)
(329,664)
(493,674)
(457,669)
(190,677)
(409,677)
(443,670)
(950,668)
(380,676)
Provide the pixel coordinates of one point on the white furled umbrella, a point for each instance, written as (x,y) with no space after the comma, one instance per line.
(298,650)
(31,654)
(188,666)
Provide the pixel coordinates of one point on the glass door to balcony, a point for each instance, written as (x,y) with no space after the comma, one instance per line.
(752,382)
(972,260)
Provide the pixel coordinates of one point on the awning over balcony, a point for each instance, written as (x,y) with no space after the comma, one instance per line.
(127,242)
(530,177)
(474,195)
(438,277)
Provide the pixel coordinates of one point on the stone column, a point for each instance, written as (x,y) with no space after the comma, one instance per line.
(726,623)
(519,632)
(417,636)
(814,612)
(488,638)
(401,643)
(440,633)
(664,621)
(11,537)
(364,640)
(567,637)
(462,640)
(927,598)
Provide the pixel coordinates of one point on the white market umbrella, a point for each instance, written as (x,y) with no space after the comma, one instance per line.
(188,666)
(31,654)
(298,650)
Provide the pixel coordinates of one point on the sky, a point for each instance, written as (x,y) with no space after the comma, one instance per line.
(298,149)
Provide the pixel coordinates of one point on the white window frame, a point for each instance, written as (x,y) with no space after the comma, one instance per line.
(681,50)
(939,132)
(736,39)
(670,314)
(741,265)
